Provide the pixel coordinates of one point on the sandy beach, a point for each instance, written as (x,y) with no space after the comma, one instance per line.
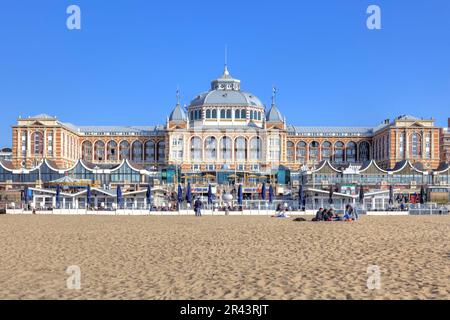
(223,257)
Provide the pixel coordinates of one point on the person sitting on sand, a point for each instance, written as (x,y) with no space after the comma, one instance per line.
(327,215)
(348,213)
(319,215)
(337,217)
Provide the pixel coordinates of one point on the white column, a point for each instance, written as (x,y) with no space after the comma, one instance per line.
(44,144)
(19,143)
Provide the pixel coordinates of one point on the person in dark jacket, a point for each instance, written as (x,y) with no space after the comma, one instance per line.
(319,215)
(197,207)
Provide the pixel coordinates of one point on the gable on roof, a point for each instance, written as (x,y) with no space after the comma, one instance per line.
(444,168)
(325,167)
(405,167)
(371,167)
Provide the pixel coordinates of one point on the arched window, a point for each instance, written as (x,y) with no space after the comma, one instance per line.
(111,151)
(86,151)
(137,151)
(38,145)
(214,114)
(124,150)
(229,114)
(237,114)
(364,151)
(225,148)
(314,151)
(301,152)
(415,145)
(196,148)
(99,151)
(161,151)
(222,114)
(255,148)
(326,151)
(210,148)
(350,152)
(240,148)
(208,113)
(243,114)
(150,151)
(290,152)
(338,152)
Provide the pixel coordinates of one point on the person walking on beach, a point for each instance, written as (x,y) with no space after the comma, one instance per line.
(197,207)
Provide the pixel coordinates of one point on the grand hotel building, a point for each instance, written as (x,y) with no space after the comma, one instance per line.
(224,129)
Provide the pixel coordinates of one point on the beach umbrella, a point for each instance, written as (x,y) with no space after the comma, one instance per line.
(391,195)
(119,196)
(25,195)
(180,194)
(330,196)
(88,196)
(240,195)
(209,195)
(58,196)
(422,195)
(148,195)
(270,194)
(263,191)
(301,196)
(188,193)
(361,195)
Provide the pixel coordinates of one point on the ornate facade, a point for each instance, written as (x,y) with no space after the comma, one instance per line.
(226,129)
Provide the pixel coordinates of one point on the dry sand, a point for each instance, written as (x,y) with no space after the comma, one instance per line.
(226,257)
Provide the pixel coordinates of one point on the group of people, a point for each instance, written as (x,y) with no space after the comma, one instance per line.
(350,214)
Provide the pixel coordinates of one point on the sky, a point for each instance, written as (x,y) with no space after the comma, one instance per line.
(123,66)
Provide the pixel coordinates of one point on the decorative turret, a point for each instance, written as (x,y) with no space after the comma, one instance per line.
(177,118)
(273,116)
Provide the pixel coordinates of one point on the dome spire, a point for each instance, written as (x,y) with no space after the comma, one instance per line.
(274,95)
(177,113)
(226,73)
(274,115)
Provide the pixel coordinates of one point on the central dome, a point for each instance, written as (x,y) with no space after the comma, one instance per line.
(226,91)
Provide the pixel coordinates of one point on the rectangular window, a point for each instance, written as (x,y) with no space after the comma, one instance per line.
(401,145)
(50,144)
(428,146)
(24,144)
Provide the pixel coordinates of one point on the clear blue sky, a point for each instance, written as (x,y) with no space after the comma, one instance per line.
(125,63)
